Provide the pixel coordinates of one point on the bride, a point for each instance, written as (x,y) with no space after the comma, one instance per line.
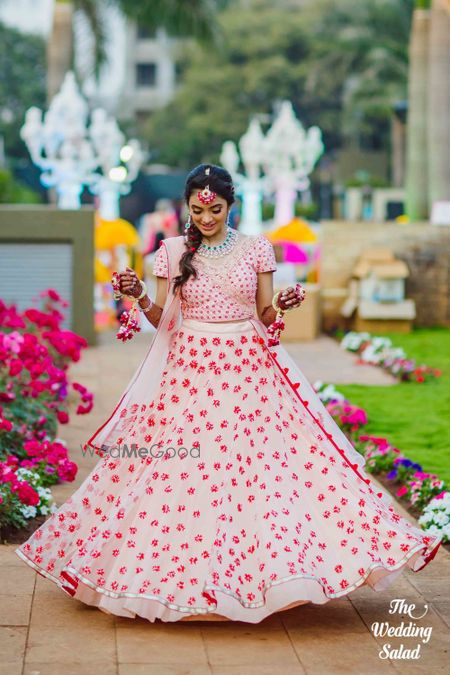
(234,494)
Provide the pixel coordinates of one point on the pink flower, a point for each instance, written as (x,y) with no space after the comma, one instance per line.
(62,416)
(12,460)
(54,295)
(13,341)
(83,410)
(27,494)
(67,471)
(15,367)
(6,425)
(402,491)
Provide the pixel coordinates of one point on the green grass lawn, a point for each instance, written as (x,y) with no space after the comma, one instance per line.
(414,417)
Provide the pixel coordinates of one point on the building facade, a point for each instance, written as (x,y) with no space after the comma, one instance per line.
(140,73)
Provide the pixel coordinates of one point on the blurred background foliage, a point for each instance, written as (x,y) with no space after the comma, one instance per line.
(22,84)
(343,65)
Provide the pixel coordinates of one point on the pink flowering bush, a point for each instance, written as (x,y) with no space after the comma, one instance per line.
(22,495)
(349,417)
(418,488)
(380,455)
(35,391)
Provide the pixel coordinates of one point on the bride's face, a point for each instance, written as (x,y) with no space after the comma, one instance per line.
(209,218)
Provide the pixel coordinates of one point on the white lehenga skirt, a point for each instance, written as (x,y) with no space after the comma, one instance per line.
(265,509)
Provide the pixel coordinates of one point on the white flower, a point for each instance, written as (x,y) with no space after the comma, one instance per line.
(23,473)
(433,530)
(380,343)
(397,353)
(28,511)
(353,340)
(435,518)
(371,355)
(330,393)
(44,493)
(441,504)
(44,510)
(441,518)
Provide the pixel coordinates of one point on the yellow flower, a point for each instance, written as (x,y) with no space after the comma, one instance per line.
(298,230)
(403,219)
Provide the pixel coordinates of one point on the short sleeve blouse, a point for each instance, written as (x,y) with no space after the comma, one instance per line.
(225,289)
(265,255)
(160,264)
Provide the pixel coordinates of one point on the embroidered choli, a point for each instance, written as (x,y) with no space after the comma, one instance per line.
(225,287)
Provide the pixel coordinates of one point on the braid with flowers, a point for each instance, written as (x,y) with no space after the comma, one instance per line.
(219,181)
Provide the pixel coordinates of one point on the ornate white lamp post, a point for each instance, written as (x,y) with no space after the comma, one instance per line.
(290,154)
(250,185)
(72,154)
(119,163)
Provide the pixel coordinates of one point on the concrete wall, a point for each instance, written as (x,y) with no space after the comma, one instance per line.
(425,249)
(43,225)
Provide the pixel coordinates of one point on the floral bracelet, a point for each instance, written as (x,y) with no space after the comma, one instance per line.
(128,319)
(278,325)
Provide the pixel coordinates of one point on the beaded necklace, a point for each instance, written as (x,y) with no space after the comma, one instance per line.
(220,249)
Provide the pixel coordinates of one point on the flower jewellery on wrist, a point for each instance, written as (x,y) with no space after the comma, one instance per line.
(128,319)
(278,325)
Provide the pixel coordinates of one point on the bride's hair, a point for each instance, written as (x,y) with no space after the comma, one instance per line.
(219,181)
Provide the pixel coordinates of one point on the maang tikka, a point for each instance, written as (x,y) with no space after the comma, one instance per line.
(206,196)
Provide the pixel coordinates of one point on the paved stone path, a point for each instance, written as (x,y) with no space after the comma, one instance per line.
(45,632)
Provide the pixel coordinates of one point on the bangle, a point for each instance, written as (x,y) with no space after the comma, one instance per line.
(146,309)
(143,292)
(118,293)
(275,303)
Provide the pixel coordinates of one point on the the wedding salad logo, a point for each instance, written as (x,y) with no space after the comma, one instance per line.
(407,629)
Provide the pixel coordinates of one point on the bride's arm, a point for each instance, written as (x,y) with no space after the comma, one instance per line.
(264,295)
(154,313)
(131,285)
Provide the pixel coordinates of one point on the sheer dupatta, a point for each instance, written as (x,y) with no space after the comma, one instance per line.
(146,380)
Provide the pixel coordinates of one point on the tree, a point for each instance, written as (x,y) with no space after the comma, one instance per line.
(13,192)
(417,132)
(359,59)
(260,63)
(439,103)
(194,18)
(343,65)
(428,159)
(22,83)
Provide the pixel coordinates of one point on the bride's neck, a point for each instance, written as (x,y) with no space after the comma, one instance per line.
(215,239)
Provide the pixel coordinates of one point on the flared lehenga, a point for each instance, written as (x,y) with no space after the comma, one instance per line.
(263,510)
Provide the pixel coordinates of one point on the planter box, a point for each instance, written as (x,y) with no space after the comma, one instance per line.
(41,247)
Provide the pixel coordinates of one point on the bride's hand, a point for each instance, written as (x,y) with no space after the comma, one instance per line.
(129,283)
(291,298)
